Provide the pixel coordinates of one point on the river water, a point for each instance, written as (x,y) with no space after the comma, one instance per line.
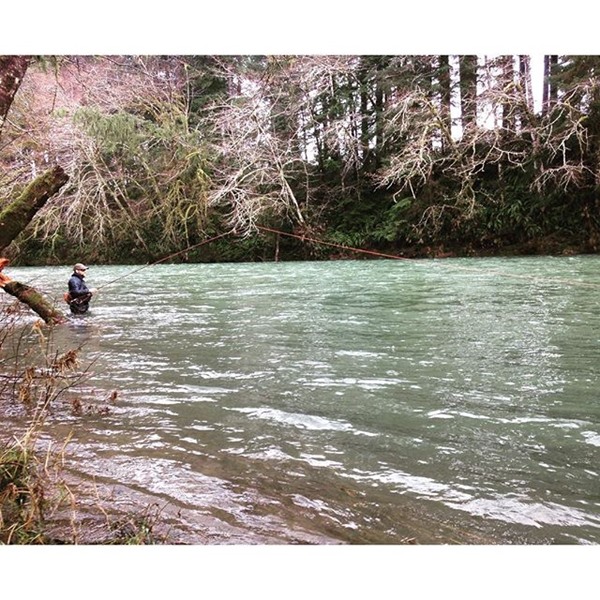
(365,402)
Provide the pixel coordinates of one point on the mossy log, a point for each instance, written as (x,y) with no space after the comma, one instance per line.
(17,215)
(35,301)
(13,220)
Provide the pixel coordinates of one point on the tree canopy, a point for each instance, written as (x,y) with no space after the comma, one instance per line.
(421,155)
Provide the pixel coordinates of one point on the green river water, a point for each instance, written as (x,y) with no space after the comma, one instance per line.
(364,402)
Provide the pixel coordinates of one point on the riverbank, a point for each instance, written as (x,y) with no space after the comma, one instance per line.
(69,507)
(85,509)
(288,246)
(80,508)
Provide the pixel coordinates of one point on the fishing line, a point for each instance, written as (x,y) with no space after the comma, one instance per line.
(333,244)
(305,238)
(447,265)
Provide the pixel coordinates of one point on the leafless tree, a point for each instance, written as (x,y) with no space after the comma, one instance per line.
(271,130)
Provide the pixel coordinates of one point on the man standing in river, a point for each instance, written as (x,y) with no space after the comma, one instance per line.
(79,294)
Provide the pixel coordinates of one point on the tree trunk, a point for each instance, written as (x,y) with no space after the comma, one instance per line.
(468,91)
(445,99)
(380,102)
(508,76)
(17,215)
(35,301)
(550,92)
(553,91)
(12,71)
(525,77)
(363,76)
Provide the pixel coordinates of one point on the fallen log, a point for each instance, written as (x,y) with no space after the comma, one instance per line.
(35,301)
(13,220)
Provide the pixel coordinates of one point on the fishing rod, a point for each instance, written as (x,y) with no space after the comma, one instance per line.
(170,256)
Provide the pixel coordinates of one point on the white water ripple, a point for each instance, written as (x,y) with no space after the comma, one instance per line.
(525,512)
(301,421)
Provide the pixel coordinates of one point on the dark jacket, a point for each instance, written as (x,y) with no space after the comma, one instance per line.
(80,294)
(77,287)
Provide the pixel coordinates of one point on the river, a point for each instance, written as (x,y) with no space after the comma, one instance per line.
(362,402)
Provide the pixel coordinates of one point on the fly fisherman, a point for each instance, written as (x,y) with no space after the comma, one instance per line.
(79,295)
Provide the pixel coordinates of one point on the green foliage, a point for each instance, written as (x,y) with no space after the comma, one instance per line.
(373,222)
(114,134)
(139,188)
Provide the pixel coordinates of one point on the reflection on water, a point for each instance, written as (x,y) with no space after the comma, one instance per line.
(369,402)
